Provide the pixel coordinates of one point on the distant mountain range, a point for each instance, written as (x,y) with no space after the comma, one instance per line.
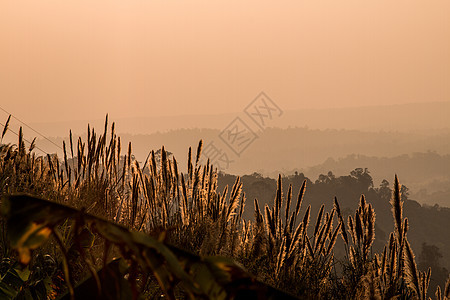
(402,117)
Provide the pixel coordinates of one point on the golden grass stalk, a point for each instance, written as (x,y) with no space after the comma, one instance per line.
(5,128)
(351,229)
(301,193)
(310,249)
(270,223)
(370,232)
(306,218)
(258,216)
(277,204)
(393,259)
(341,221)
(318,239)
(397,208)
(358,228)
(199,152)
(319,219)
(281,257)
(411,273)
(383,261)
(234,200)
(333,239)
(288,204)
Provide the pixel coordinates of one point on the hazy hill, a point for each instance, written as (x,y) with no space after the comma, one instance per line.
(319,151)
(382,138)
(284,149)
(401,117)
(426,174)
(419,117)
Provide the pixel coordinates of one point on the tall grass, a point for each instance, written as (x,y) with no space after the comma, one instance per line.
(282,246)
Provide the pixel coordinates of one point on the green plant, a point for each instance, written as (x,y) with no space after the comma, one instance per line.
(21,282)
(31,221)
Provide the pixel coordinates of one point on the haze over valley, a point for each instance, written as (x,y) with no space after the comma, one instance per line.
(411,140)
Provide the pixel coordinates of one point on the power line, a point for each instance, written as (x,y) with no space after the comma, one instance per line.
(32,129)
(25,139)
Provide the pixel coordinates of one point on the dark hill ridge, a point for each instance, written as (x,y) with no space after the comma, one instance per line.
(427,174)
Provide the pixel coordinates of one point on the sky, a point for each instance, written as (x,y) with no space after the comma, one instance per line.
(77,60)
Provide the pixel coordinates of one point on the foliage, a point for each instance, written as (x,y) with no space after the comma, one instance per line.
(32,220)
(20,282)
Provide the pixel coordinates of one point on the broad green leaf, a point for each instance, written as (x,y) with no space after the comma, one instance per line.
(30,222)
(23,274)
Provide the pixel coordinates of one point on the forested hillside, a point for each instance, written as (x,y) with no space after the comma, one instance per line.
(426,174)
(428,224)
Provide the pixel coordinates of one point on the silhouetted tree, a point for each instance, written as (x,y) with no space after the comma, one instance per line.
(430,257)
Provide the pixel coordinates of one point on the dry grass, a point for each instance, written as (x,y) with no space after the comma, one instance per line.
(187,210)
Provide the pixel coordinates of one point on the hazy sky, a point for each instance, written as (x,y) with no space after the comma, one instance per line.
(81,59)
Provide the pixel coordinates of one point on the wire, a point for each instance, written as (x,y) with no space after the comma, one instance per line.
(25,139)
(32,129)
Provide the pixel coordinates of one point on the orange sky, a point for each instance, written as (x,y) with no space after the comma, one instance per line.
(81,59)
